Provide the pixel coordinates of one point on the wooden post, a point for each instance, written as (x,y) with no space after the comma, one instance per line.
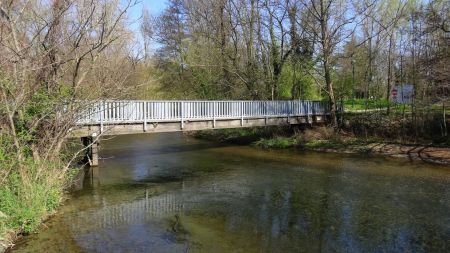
(91,156)
(94,154)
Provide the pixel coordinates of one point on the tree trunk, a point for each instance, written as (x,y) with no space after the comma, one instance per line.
(226,88)
(389,77)
(445,119)
(325,41)
(331,98)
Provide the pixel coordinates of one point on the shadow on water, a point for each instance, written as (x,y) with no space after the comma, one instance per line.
(169,149)
(203,197)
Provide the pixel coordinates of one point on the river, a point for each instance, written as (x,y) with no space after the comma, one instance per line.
(173,193)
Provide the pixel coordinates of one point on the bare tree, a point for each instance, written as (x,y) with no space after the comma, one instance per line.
(146,29)
(54,56)
(333,21)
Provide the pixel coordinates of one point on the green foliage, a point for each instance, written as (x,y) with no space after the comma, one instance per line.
(31,186)
(5,150)
(294,83)
(277,142)
(29,190)
(309,139)
(38,108)
(362,104)
(28,196)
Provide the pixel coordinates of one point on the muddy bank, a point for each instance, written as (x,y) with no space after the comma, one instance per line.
(437,155)
(323,139)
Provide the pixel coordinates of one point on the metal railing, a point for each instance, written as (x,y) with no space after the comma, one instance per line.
(137,111)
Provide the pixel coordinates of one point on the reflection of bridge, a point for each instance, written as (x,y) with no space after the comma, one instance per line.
(126,213)
(128,117)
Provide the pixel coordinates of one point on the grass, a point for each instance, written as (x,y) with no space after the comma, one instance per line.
(363,104)
(277,142)
(282,138)
(359,104)
(29,192)
(28,196)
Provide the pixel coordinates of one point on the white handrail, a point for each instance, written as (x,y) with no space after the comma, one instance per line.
(139,111)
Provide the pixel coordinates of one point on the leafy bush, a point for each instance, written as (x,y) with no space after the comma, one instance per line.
(29,190)
(28,195)
(277,142)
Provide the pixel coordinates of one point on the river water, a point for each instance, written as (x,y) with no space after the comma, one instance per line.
(173,193)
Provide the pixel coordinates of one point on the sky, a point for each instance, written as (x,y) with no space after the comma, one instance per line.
(155,7)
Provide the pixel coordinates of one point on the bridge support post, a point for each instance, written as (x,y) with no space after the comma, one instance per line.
(94,154)
(182,114)
(145,116)
(91,155)
(289,112)
(214,113)
(242,113)
(265,112)
(102,111)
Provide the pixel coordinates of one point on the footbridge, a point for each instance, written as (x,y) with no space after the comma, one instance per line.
(132,116)
(138,116)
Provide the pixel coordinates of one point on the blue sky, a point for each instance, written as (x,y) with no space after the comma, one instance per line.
(155,7)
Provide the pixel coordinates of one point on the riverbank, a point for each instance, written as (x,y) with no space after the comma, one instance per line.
(17,228)
(437,155)
(323,139)
(14,235)
(29,198)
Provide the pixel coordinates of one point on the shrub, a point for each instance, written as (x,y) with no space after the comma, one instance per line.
(29,190)
(276,142)
(318,133)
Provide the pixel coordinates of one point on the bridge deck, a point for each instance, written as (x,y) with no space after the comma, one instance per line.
(126,117)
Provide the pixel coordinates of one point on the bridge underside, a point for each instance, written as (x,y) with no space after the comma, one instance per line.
(137,116)
(191,125)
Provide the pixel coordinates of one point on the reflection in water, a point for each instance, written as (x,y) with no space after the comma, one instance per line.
(171,193)
(124,213)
